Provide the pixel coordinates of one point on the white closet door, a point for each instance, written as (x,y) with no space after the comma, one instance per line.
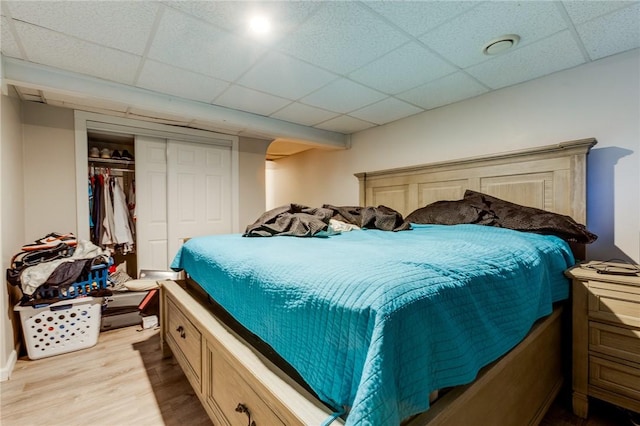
(199,190)
(151,203)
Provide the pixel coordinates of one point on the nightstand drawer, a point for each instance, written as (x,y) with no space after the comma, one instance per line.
(185,337)
(615,377)
(615,341)
(608,302)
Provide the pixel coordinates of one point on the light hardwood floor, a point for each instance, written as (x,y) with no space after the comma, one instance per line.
(124,380)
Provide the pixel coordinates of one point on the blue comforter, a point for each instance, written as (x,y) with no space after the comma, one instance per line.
(373,320)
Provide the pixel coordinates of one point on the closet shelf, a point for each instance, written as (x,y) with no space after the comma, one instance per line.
(111,161)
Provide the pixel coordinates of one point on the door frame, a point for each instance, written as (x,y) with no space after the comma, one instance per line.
(85,121)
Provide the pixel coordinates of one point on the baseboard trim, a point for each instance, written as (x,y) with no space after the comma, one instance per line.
(5,372)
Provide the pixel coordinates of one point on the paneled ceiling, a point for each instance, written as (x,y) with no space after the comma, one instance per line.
(336,66)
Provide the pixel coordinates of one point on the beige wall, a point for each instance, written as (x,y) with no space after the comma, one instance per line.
(39,183)
(49,170)
(600,99)
(251,160)
(50,177)
(11,219)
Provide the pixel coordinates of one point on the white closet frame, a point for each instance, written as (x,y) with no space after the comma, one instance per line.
(86,121)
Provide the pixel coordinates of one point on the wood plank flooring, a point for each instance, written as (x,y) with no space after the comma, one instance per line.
(124,380)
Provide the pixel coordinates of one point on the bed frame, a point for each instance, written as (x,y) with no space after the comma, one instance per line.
(515,390)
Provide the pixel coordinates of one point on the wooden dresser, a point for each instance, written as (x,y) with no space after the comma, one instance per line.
(606,337)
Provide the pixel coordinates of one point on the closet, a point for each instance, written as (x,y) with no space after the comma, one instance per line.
(183,183)
(112,195)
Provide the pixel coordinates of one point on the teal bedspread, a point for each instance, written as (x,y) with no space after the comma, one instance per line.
(373,320)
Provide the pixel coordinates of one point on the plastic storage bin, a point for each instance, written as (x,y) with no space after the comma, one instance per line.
(65,326)
(95,279)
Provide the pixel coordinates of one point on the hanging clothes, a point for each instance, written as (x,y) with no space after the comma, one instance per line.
(107,222)
(121,232)
(98,209)
(91,225)
(113,226)
(131,200)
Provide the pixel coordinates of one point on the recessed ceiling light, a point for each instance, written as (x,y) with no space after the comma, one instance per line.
(500,44)
(260,25)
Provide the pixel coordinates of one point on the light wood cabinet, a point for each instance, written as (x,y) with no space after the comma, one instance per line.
(186,342)
(606,337)
(236,384)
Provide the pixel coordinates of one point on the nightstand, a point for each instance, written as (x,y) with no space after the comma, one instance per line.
(606,337)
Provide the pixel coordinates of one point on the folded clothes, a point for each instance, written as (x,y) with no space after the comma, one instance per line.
(34,276)
(51,240)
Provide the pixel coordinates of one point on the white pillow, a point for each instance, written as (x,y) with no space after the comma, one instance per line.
(141,285)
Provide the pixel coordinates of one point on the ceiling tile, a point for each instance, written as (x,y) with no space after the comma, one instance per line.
(462,39)
(447,90)
(343,96)
(341,37)
(57,50)
(345,124)
(386,111)
(286,77)
(244,99)
(582,11)
(8,44)
(552,54)
(408,66)
(234,15)
(418,17)
(185,84)
(123,25)
(303,114)
(327,58)
(187,42)
(600,40)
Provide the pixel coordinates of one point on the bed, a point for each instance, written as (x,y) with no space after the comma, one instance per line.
(367,340)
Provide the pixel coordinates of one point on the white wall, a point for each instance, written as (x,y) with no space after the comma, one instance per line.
(600,99)
(11,220)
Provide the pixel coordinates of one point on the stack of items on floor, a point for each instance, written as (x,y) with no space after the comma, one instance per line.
(133,301)
(71,291)
(59,267)
(62,281)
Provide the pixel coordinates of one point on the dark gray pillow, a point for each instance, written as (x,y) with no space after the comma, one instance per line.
(529,219)
(450,213)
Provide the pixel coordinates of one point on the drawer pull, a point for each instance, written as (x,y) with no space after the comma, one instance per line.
(241,408)
(180,330)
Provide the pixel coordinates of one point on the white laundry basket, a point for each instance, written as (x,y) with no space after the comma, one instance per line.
(61,327)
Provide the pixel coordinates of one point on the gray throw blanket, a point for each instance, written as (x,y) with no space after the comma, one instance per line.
(291,219)
(302,221)
(381,217)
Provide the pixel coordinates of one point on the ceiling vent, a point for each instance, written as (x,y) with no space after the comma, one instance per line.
(501,44)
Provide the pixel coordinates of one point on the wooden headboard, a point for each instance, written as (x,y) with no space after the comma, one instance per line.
(551,177)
